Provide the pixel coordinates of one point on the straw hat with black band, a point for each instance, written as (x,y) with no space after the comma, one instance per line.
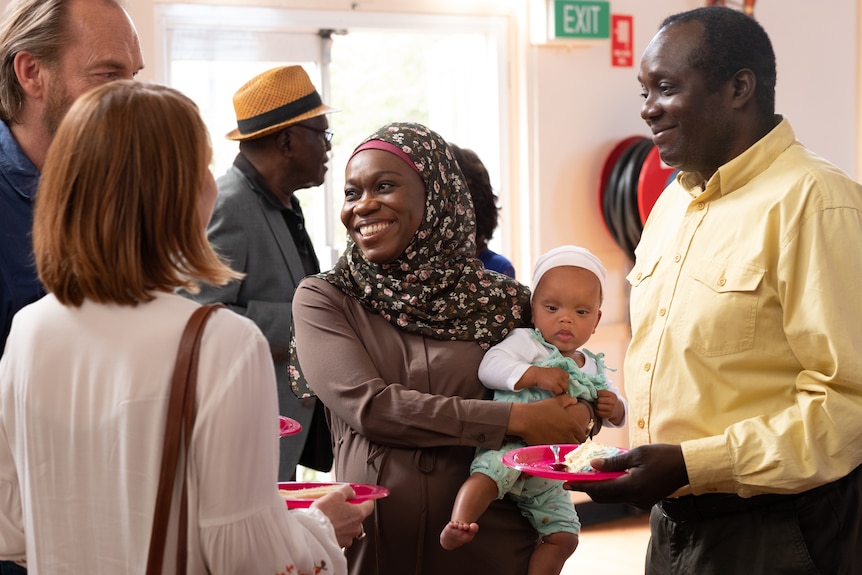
(274,100)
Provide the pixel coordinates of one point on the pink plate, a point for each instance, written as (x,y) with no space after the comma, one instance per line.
(537,459)
(363,492)
(288,426)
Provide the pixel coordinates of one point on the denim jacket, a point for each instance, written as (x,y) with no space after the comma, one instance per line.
(19,179)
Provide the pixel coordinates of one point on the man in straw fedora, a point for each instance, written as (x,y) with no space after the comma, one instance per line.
(257,224)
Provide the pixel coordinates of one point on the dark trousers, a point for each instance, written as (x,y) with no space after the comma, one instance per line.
(816,532)
(11,568)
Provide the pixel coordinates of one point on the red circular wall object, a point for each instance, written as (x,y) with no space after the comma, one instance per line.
(608,167)
(653,179)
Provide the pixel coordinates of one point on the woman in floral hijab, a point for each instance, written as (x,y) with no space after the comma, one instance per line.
(437,287)
(390,340)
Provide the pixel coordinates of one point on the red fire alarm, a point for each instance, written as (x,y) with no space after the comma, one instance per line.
(622,41)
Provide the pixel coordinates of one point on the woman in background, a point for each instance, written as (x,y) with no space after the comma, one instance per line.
(390,340)
(84,383)
(485,205)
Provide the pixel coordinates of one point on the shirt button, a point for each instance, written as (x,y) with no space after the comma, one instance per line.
(639,276)
(677,257)
(481,438)
(647,366)
(641,423)
(722,281)
(700,205)
(662,311)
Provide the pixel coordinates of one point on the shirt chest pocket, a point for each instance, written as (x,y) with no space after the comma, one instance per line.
(639,280)
(720,301)
(642,271)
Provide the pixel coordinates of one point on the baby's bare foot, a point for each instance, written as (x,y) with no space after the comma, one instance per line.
(457,533)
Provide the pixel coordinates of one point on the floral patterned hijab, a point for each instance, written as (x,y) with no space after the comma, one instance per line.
(437,288)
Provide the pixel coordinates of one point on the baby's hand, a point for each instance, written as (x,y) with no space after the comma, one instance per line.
(553,379)
(609,406)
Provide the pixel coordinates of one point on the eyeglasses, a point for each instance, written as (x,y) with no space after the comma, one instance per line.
(327,134)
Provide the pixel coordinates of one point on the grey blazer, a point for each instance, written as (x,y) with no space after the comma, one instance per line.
(248,229)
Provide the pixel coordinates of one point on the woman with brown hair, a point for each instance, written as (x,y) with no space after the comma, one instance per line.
(84,383)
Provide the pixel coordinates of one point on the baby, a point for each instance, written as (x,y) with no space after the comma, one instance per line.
(533,364)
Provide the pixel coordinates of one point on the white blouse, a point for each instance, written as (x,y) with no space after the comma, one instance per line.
(83,401)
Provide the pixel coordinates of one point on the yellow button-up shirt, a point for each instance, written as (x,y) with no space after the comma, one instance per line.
(746,309)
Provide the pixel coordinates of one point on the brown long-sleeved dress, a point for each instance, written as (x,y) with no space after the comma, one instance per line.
(406,412)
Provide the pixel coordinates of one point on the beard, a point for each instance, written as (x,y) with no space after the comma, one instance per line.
(56,106)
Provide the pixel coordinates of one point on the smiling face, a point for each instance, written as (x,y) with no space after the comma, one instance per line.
(566,307)
(384,203)
(691,123)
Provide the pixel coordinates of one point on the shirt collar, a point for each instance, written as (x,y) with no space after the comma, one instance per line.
(19,173)
(743,168)
(243,164)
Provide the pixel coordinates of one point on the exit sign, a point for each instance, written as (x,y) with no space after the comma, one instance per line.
(579,19)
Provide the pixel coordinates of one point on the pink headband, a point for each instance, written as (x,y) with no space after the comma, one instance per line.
(386,147)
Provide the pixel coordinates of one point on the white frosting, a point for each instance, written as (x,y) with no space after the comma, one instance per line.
(578,459)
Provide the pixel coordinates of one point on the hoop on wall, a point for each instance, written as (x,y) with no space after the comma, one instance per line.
(632,178)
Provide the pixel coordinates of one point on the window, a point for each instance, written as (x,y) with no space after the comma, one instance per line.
(446,72)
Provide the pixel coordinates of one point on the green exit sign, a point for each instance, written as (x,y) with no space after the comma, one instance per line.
(580,19)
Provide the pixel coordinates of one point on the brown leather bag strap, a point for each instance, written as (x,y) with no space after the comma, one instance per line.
(180,423)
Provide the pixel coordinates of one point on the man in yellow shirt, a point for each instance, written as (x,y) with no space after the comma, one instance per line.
(744,373)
